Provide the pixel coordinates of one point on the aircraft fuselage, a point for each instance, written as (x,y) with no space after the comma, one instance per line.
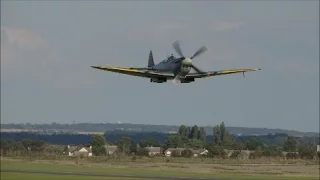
(174,65)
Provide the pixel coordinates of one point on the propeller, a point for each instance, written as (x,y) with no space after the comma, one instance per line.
(187,60)
(176,47)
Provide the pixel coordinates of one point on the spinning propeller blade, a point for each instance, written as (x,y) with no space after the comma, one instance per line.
(176,47)
(200,51)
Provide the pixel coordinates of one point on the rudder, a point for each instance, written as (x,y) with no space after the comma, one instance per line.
(150,60)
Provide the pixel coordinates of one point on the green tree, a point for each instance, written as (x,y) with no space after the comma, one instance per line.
(202,134)
(183,131)
(152,142)
(174,141)
(189,132)
(215,151)
(238,146)
(133,147)
(143,143)
(184,141)
(290,144)
(97,142)
(195,144)
(217,135)
(124,145)
(252,144)
(194,132)
(7,145)
(223,132)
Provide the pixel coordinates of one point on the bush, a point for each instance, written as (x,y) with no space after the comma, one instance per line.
(186,153)
(272,152)
(256,154)
(215,151)
(99,150)
(134,158)
(235,154)
(307,152)
(292,155)
(142,152)
(175,153)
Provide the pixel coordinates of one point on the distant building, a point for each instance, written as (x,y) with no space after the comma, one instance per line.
(111,149)
(198,152)
(318,148)
(79,151)
(153,150)
(169,151)
(195,152)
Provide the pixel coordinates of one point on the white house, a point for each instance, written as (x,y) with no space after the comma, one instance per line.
(78,150)
(153,150)
(169,151)
(196,152)
(111,149)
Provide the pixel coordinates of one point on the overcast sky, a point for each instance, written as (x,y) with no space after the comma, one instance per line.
(47,49)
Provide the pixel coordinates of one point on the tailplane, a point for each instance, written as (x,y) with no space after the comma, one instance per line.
(150,60)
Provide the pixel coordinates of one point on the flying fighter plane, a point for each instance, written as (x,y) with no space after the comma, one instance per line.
(172,68)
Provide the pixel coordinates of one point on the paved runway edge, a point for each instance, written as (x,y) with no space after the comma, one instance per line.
(101,175)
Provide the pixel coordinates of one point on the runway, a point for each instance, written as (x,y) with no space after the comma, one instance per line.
(104,175)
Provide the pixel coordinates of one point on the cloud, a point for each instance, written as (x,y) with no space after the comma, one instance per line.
(225,25)
(32,57)
(19,44)
(22,37)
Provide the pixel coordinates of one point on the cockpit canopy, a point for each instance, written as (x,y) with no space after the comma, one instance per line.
(171,57)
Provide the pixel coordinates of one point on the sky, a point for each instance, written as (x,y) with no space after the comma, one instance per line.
(47,48)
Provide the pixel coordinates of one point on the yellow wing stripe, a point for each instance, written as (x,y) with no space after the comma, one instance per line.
(236,71)
(221,72)
(115,68)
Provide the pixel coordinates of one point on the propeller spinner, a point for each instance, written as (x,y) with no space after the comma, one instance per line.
(187,60)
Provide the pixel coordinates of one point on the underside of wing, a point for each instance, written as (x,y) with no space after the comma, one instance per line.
(219,73)
(141,72)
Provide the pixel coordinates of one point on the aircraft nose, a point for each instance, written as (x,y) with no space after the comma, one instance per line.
(187,61)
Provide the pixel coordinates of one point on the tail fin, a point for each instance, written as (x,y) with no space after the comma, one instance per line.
(150,60)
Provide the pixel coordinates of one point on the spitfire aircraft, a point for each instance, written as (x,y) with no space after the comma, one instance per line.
(172,68)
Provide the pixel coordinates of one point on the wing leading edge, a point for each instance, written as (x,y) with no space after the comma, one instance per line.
(141,72)
(149,73)
(219,73)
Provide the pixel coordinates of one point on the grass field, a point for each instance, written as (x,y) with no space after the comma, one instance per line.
(18,176)
(218,171)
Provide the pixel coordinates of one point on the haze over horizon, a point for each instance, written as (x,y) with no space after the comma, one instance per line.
(47,49)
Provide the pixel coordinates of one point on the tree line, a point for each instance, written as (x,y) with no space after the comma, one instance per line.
(187,137)
(195,138)
(101,127)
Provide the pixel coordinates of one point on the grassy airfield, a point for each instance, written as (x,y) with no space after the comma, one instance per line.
(295,170)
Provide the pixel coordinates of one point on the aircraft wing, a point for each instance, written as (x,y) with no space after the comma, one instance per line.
(219,73)
(141,72)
